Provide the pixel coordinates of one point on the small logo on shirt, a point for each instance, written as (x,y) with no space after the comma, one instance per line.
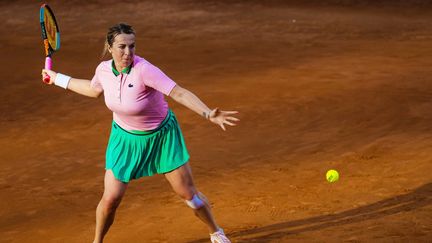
(130,85)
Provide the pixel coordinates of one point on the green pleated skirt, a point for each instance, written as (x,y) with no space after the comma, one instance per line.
(134,154)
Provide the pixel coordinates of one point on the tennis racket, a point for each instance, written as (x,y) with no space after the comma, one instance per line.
(50,36)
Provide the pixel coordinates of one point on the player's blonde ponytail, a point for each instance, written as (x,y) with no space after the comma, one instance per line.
(105,50)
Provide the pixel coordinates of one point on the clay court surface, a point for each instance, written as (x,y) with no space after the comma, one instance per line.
(319,86)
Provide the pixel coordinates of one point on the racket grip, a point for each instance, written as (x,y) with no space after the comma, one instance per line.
(48,66)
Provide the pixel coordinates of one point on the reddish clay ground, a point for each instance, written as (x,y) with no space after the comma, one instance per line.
(344,86)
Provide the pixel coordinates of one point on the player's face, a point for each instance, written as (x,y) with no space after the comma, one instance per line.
(123,50)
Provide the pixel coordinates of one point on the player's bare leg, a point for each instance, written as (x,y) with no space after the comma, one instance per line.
(182,183)
(105,212)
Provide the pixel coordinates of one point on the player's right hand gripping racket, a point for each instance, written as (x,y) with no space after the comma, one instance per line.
(50,36)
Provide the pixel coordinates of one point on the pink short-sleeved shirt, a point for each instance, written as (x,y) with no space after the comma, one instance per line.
(135,98)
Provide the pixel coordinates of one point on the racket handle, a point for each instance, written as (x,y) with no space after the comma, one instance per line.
(48,66)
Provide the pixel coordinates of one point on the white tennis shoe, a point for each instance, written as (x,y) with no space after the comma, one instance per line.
(219,237)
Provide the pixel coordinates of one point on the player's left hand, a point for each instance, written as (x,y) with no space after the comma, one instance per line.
(220,118)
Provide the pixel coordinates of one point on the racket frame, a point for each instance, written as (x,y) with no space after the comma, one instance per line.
(49,49)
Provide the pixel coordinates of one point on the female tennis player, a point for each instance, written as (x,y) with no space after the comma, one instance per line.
(145,137)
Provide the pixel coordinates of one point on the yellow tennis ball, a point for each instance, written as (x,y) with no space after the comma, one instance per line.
(332,176)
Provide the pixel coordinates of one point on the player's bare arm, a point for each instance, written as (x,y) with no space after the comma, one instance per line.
(191,101)
(80,86)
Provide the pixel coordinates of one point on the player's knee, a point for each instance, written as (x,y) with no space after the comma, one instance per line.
(186,192)
(111,202)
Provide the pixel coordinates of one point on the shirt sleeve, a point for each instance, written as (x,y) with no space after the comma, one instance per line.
(95,82)
(155,78)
